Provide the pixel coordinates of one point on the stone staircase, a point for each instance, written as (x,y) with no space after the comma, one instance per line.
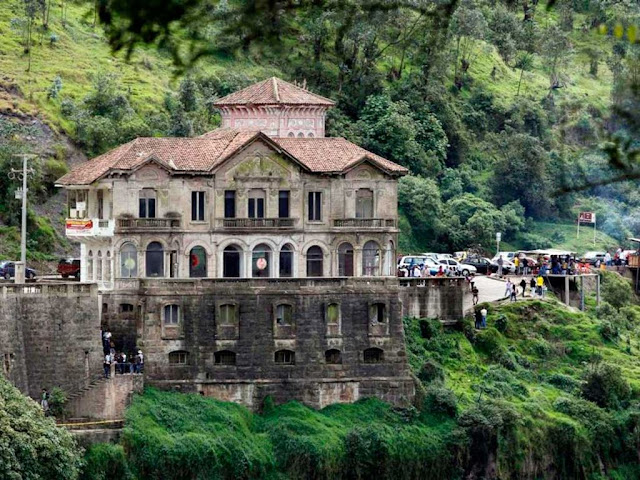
(94,382)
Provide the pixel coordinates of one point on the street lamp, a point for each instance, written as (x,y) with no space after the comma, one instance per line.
(22,175)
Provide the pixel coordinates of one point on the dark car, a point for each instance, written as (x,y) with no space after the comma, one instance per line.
(69,267)
(8,271)
(483,265)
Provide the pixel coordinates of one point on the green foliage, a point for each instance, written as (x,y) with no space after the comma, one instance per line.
(106,461)
(605,386)
(616,289)
(57,403)
(31,446)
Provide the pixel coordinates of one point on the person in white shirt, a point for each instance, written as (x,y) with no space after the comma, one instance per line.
(483,312)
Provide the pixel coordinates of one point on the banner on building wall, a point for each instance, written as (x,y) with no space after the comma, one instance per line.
(79,227)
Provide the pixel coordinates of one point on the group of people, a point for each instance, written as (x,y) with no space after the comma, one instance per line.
(535,284)
(123,363)
(420,271)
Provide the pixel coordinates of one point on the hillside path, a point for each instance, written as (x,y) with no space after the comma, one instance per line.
(489,290)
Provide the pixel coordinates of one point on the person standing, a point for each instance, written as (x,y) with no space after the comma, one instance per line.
(525,266)
(500,264)
(539,285)
(140,362)
(483,313)
(107,365)
(516,262)
(507,288)
(478,317)
(523,285)
(44,400)
(514,293)
(475,292)
(532,286)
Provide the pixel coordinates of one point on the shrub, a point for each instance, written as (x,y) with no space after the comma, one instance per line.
(605,386)
(564,382)
(491,342)
(502,323)
(615,289)
(105,461)
(441,400)
(58,403)
(608,331)
(430,371)
(429,328)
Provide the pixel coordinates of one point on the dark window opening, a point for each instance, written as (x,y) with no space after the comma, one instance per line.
(225,357)
(179,358)
(155,260)
(315,206)
(256,204)
(228,315)
(333,356)
(286,261)
(345,260)
(283,204)
(285,357)
(126,308)
(197,206)
(231,262)
(229,204)
(315,262)
(284,314)
(373,355)
(147,203)
(377,313)
(198,262)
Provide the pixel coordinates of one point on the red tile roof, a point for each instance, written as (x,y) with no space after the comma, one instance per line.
(273,91)
(204,154)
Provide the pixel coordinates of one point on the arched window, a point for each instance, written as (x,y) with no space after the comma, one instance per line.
(345,260)
(90,266)
(371,259)
(179,357)
(285,357)
(310,135)
(286,261)
(333,356)
(315,262)
(126,308)
(291,135)
(224,357)
(99,266)
(389,256)
(300,135)
(107,268)
(154,260)
(128,261)
(373,355)
(171,314)
(261,261)
(231,262)
(198,262)
(364,203)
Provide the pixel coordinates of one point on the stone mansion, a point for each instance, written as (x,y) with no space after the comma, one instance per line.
(266,195)
(257,259)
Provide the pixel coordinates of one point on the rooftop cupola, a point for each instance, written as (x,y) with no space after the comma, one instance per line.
(275,107)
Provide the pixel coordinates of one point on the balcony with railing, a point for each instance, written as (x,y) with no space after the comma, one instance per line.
(364,223)
(124,225)
(252,223)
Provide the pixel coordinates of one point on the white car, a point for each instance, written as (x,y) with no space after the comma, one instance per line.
(457,267)
(505,256)
(411,260)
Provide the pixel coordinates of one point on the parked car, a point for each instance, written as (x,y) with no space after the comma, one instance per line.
(593,257)
(69,267)
(410,260)
(8,271)
(457,267)
(505,256)
(482,264)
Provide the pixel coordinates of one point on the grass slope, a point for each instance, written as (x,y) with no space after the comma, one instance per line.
(563,236)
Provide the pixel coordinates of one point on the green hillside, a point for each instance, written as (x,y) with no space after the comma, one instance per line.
(543,392)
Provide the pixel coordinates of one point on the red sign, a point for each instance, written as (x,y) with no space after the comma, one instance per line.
(587,217)
(79,225)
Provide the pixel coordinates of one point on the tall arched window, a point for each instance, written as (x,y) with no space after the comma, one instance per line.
(154,260)
(371,259)
(345,260)
(314,262)
(389,256)
(286,261)
(107,268)
(128,261)
(90,266)
(231,262)
(99,266)
(198,262)
(261,261)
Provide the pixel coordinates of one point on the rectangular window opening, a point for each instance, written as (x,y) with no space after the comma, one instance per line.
(197,206)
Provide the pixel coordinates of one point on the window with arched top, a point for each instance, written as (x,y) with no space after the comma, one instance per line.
(333,357)
(224,357)
(231,261)
(371,259)
(345,260)
(128,261)
(373,355)
(179,357)
(285,357)
(310,135)
(154,260)
(90,265)
(300,135)
(99,265)
(286,261)
(315,262)
(291,135)
(261,261)
(197,262)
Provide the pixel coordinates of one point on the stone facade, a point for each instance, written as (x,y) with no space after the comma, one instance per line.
(320,341)
(50,336)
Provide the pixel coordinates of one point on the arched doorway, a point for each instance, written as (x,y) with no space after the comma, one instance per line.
(371,259)
(286,261)
(345,260)
(315,262)
(198,262)
(128,261)
(261,261)
(154,260)
(231,262)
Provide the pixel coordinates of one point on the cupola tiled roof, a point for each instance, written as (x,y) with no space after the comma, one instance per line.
(273,91)
(203,154)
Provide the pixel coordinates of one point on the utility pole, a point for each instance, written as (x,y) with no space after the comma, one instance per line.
(22,175)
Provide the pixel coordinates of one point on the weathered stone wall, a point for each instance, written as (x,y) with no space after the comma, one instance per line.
(254,336)
(49,335)
(108,399)
(442,298)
